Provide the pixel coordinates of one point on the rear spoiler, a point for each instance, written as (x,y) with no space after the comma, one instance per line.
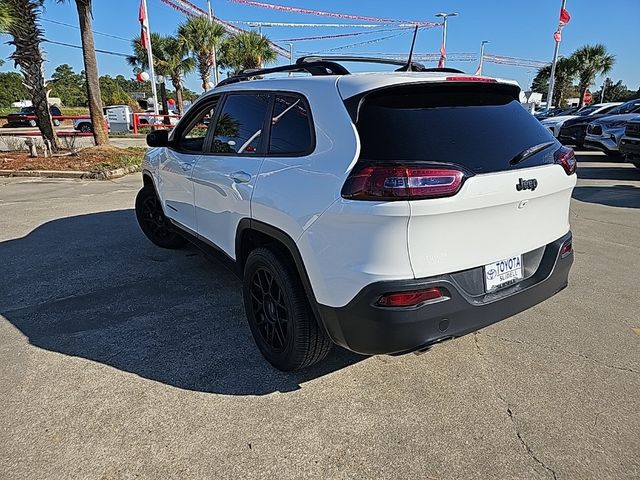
(354,104)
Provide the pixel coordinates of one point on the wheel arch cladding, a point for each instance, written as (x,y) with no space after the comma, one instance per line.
(252,234)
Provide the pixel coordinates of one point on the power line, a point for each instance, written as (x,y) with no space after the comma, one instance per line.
(106,52)
(375,40)
(94,31)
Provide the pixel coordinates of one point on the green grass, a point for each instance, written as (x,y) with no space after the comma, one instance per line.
(64,110)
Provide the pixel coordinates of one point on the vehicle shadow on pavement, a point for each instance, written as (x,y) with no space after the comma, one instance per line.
(608,173)
(613,196)
(92,286)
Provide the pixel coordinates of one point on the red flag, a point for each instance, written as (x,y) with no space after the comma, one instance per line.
(443,56)
(144,28)
(564,16)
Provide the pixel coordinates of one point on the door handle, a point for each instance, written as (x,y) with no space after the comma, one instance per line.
(240,177)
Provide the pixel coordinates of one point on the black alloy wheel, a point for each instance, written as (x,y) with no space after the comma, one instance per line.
(280,317)
(270,311)
(153,222)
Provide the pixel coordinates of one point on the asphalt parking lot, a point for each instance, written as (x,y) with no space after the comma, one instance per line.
(121,360)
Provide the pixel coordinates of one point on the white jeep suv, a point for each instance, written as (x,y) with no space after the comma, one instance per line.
(383,212)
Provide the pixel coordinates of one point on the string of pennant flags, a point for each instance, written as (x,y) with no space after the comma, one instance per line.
(375,26)
(320,13)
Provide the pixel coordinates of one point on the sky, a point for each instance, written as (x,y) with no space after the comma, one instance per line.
(516,28)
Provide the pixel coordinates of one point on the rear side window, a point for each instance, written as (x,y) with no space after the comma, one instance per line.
(290,126)
(479,127)
(239,127)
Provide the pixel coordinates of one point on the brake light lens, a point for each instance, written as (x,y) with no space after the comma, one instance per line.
(371,182)
(566,157)
(411,298)
(566,249)
(472,79)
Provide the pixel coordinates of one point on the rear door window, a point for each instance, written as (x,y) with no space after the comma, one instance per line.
(239,127)
(479,127)
(290,126)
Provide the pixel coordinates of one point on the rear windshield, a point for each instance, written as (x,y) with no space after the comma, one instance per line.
(481,128)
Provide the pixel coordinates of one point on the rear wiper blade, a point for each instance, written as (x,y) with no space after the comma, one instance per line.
(522,156)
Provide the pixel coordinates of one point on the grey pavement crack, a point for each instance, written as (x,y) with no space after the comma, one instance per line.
(567,352)
(511,415)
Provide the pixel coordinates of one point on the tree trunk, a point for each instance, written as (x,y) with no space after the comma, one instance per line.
(100,133)
(177,84)
(583,87)
(205,72)
(163,98)
(36,84)
(26,38)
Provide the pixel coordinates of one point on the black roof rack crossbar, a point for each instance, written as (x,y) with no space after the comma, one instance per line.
(415,66)
(319,67)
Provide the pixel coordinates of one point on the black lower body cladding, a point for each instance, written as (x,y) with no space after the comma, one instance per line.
(362,327)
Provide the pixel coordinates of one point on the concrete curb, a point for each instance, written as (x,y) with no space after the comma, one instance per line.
(104,175)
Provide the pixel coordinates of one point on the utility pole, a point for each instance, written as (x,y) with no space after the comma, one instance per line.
(484,42)
(552,77)
(443,48)
(215,59)
(290,55)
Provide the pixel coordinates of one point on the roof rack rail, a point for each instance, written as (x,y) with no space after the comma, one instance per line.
(327,65)
(320,67)
(415,66)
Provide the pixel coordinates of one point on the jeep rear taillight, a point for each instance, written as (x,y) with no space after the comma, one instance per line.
(566,157)
(391,182)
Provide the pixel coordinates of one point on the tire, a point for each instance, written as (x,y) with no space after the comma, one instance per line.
(33,123)
(280,318)
(153,222)
(86,128)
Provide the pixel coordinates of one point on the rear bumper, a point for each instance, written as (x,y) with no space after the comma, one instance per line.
(362,327)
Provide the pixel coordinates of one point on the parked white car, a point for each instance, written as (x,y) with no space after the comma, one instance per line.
(370,210)
(554,124)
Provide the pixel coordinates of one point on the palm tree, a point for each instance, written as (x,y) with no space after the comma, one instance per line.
(140,60)
(177,63)
(100,133)
(20,18)
(246,50)
(591,61)
(201,37)
(566,71)
(170,58)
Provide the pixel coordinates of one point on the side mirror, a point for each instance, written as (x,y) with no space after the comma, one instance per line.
(158,138)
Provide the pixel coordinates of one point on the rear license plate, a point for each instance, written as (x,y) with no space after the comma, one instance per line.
(503,273)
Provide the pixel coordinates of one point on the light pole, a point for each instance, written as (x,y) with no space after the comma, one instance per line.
(484,42)
(552,76)
(443,49)
(214,57)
